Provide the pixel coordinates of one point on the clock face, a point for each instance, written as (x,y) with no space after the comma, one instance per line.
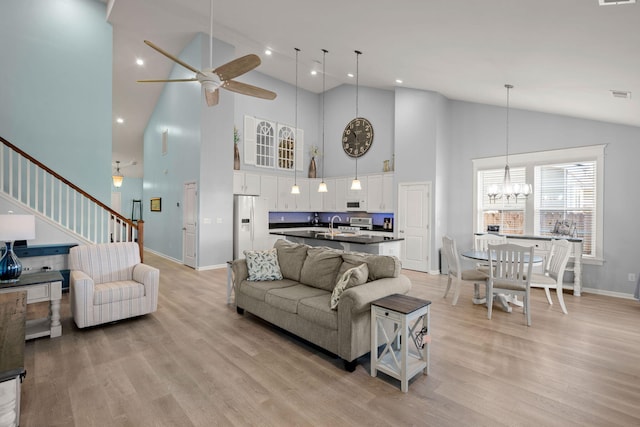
(357,137)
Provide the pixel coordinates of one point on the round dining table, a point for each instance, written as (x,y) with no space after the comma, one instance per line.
(503,300)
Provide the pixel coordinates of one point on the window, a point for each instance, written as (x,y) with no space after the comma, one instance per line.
(272,145)
(286,147)
(566,200)
(265,137)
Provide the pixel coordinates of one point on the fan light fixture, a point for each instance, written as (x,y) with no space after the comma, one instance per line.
(117,177)
(355,184)
(295,189)
(508,190)
(322,187)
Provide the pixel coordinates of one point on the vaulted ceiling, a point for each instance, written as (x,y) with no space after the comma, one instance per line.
(563,57)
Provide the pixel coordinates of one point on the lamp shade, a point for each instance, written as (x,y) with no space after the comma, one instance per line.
(117,179)
(17,227)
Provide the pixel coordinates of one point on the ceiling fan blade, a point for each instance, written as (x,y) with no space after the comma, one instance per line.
(167,80)
(247,89)
(237,67)
(212,97)
(171,57)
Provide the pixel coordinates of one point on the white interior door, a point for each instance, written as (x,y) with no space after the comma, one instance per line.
(189,224)
(413,225)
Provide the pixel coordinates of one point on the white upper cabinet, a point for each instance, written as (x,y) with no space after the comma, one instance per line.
(316,199)
(269,187)
(380,193)
(246,183)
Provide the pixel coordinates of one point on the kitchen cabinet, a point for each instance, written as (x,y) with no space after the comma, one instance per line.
(269,190)
(246,183)
(316,200)
(288,202)
(341,194)
(380,193)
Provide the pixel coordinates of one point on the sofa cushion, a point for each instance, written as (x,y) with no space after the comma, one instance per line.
(287,299)
(317,311)
(258,290)
(291,258)
(352,277)
(321,268)
(263,265)
(380,266)
(124,290)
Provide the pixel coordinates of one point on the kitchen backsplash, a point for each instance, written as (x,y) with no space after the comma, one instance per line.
(325,217)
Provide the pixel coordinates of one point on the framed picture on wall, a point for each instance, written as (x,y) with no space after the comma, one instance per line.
(156,204)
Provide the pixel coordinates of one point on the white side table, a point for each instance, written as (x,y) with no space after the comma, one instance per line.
(404,323)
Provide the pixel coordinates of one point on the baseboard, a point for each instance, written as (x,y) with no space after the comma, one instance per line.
(161,255)
(212,267)
(608,293)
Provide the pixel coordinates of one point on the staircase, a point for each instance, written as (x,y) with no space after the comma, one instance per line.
(46,194)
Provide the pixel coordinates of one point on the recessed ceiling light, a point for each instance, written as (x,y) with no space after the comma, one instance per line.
(621,94)
(314,72)
(140,61)
(350,75)
(615,2)
(399,81)
(120,120)
(268,52)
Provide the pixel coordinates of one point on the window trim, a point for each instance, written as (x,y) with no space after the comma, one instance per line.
(529,161)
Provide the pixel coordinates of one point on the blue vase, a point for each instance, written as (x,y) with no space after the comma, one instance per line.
(10,266)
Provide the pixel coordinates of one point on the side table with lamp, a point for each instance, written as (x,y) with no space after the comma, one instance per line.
(12,228)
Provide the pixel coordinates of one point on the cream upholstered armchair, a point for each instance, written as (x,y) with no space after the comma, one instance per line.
(108,283)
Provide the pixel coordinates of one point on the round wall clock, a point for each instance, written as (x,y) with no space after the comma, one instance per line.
(357,137)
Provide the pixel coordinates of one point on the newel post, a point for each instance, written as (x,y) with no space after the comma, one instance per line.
(141,239)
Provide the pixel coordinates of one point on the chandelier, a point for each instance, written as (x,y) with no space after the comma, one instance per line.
(508,190)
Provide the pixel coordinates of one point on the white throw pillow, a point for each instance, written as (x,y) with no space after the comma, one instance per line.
(263,265)
(352,277)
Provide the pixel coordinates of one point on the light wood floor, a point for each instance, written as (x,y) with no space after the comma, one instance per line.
(195,362)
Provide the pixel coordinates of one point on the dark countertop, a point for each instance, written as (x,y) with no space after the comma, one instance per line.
(361,239)
(277,225)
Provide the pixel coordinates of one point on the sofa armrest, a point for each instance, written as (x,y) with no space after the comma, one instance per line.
(145,274)
(80,296)
(359,298)
(240,272)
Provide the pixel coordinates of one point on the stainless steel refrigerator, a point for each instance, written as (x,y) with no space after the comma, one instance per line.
(250,225)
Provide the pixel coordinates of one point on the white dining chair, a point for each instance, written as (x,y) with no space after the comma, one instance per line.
(510,273)
(554,271)
(451,256)
(481,242)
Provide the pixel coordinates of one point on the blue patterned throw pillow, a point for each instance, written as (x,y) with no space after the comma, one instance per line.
(263,265)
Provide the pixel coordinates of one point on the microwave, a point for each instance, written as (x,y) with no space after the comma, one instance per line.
(356,205)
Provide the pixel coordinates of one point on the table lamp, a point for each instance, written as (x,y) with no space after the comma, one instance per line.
(14,227)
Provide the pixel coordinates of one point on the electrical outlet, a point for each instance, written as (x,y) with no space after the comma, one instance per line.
(632,277)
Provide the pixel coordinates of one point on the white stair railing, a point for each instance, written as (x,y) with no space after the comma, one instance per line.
(35,186)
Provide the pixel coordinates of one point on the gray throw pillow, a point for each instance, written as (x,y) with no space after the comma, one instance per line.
(321,268)
(291,258)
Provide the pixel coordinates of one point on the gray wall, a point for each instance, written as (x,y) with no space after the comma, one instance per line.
(479,131)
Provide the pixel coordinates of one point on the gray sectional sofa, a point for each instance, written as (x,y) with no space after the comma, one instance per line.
(300,302)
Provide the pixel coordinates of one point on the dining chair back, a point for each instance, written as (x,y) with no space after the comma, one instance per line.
(452,258)
(553,275)
(510,273)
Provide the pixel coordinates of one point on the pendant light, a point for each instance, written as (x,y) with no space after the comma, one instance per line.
(117,177)
(355,184)
(322,187)
(509,190)
(295,189)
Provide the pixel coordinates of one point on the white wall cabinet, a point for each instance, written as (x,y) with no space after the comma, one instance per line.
(380,193)
(316,200)
(341,194)
(269,189)
(246,183)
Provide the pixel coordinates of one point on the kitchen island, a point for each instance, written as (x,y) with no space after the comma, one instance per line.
(350,242)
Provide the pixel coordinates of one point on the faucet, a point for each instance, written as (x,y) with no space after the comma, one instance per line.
(331,223)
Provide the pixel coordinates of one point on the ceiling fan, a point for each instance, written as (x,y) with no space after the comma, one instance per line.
(220,77)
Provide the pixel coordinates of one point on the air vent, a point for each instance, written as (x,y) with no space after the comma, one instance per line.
(621,94)
(615,2)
